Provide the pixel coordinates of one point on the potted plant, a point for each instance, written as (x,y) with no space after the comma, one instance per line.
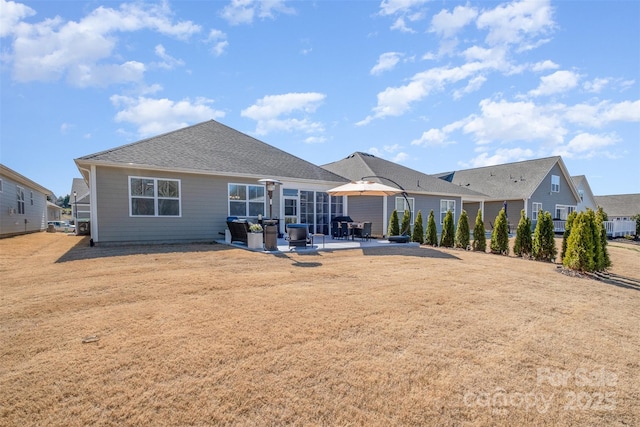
(254,237)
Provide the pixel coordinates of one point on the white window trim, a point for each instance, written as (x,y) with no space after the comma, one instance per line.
(535,212)
(453,211)
(155,197)
(555,188)
(412,205)
(20,191)
(0,185)
(566,209)
(264,204)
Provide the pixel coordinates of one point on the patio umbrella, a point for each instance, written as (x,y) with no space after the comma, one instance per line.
(364,188)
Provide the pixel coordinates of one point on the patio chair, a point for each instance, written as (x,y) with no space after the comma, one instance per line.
(239,230)
(336,231)
(298,235)
(365,233)
(344,230)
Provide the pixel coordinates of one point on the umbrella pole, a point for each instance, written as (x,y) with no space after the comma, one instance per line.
(404,194)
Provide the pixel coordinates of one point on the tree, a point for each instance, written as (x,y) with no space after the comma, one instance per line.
(448,236)
(544,245)
(406,223)
(567,231)
(579,255)
(636,218)
(524,242)
(462,232)
(479,239)
(500,235)
(418,230)
(394,226)
(432,231)
(604,260)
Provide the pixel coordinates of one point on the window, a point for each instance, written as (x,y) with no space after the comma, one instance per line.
(555,184)
(154,196)
(246,200)
(401,206)
(563,211)
(445,206)
(337,206)
(537,208)
(581,194)
(31,198)
(20,199)
(0,186)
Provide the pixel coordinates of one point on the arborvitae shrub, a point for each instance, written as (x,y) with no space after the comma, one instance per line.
(567,232)
(432,231)
(544,245)
(524,242)
(500,235)
(394,225)
(448,232)
(479,238)
(405,229)
(636,218)
(462,232)
(598,254)
(418,230)
(606,261)
(579,255)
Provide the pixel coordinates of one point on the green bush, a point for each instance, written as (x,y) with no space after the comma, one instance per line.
(405,229)
(567,232)
(432,231)
(394,225)
(602,232)
(579,255)
(418,229)
(500,235)
(462,232)
(479,239)
(544,245)
(448,234)
(524,243)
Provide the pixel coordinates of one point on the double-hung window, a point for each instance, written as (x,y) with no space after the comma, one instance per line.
(563,211)
(154,196)
(401,206)
(446,206)
(20,199)
(246,200)
(555,184)
(536,209)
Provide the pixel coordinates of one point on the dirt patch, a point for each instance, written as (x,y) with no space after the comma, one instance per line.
(207,334)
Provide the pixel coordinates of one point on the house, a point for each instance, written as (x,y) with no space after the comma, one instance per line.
(23,204)
(533,185)
(587,200)
(620,207)
(80,200)
(182,186)
(54,212)
(424,192)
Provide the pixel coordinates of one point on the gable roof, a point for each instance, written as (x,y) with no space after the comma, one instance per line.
(509,181)
(212,148)
(82,190)
(359,165)
(619,205)
(21,179)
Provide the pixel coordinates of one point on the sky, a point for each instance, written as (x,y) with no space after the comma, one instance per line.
(433,85)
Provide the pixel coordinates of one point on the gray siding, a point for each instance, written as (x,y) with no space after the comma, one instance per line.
(368,208)
(11,222)
(203,208)
(472,210)
(492,209)
(549,199)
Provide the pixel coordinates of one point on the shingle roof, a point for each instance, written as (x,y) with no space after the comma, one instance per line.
(211,147)
(359,165)
(620,205)
(507,181)
(82,190)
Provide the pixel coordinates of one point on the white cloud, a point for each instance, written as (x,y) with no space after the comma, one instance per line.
(586,145)
(386,61)
(392,7)
(603,113)
(473,85)
(433,138)
(12,14)
(596,85)
(219,41)
(315,140)
(447,24)
(81,51)
(269,110)
(168,61)
(544,66)
(245,11)
(501,155)
(517,22)
(153,116)
(558,82)
(389,152)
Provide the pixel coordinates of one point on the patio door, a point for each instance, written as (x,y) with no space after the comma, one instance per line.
(291,205)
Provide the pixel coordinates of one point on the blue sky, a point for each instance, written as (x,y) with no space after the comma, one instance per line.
(433,85)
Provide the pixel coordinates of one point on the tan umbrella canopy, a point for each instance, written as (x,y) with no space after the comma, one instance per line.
(364,188)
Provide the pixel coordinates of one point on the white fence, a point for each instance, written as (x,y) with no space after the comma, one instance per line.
(614,228)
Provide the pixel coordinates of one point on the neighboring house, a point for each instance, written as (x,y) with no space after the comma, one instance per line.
(23,204)
(620,207)
(80,200)
(182,186)
(587,199)
(54,212)
(533,185)
(425,192)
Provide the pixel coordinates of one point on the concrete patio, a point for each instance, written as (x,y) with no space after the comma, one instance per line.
(329,244)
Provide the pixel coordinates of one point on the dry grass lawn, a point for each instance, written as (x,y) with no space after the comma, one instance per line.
(212,335)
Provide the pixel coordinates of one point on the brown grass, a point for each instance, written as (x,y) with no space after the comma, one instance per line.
(207,334)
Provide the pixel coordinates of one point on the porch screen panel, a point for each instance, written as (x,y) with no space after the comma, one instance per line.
(322,213)
(306,208)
